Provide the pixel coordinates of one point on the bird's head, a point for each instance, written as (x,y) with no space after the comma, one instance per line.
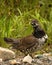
(39,32)
(35,23)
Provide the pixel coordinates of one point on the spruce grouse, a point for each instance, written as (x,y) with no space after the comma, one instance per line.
(30,43)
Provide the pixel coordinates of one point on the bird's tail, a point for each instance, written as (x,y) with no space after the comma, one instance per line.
(8,40)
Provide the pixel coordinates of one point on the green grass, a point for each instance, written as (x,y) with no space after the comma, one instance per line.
(19,26)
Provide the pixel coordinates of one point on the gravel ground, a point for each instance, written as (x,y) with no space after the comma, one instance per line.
(40,59)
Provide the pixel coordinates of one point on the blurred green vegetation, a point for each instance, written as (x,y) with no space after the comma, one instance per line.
(16,16)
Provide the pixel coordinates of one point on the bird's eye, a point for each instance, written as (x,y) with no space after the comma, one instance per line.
(33,23)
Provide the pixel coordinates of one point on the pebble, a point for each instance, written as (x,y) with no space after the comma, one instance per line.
(38,56)
(50,58)
(40,59)
(1,60)
(13,62)
(28,59)
(39,62)
(6,54)
(47,54)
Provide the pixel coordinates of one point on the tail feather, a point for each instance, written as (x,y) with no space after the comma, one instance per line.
(8,40)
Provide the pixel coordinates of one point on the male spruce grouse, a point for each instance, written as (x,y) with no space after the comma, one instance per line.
(30,43)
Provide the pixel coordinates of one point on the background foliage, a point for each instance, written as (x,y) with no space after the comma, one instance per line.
(16,15)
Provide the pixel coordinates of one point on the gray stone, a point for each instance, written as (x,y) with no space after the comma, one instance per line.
(27,59)
(6,54)
(38,60)
(38,56)
(50,58)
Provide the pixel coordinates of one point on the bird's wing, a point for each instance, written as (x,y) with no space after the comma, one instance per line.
(28,42)
(23,43)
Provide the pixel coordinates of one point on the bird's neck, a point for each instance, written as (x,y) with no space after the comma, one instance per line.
(38,32)
(40,35)
(35,30)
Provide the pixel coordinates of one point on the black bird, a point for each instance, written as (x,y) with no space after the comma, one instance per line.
(30,43)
